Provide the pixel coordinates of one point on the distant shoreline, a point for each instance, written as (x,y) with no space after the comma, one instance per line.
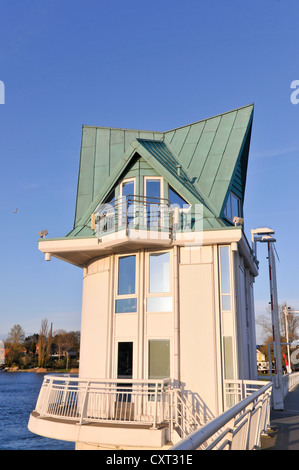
(41,370)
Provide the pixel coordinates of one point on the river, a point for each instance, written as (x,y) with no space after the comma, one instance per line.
(18,395)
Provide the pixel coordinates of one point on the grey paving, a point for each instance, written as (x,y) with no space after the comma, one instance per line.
(284,434)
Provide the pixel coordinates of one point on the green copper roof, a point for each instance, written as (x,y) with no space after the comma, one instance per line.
(210,151)
(211,155)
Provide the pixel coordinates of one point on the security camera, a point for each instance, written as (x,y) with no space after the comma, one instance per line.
(43,233)
(238,220)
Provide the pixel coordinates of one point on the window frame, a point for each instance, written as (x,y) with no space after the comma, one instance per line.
(148,178)
(118,296)
(225,294)
(124,181)
(148,294)
(229,203)
(121,202)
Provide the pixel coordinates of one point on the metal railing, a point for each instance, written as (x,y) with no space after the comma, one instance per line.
(237,390)
(238,428)
(150,402)
(134,212)
(146,213)
(289,381)
(114,400)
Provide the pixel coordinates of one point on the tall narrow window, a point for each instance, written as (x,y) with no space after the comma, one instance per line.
(225,278)
(126,300)
(158,298)
(228,357)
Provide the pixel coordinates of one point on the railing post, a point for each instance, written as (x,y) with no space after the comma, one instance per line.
(45,402)
(156,405)
(84,404)
(170,411)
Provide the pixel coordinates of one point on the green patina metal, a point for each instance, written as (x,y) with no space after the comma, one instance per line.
(202,161)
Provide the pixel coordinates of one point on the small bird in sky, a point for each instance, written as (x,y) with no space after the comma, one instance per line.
(15,211)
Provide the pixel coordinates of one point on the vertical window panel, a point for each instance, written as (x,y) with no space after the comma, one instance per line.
(225,283)
(228,357)
(153,189)
(159,273)
(126,275)
(159,359)
(235,206)
(225,270)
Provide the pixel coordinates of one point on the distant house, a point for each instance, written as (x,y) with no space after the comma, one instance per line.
(168,273)
(260,357)
(262,364)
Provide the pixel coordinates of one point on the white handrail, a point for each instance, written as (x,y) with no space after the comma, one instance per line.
(234,424)
(154,403)
(114,400)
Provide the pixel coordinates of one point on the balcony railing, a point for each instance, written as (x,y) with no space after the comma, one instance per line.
(108,401)
(153,403)
(142,213)
(238,428)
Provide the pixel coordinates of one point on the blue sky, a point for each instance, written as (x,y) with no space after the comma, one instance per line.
(152,65)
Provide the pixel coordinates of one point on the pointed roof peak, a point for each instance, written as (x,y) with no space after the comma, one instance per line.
(251,105)
(212,153)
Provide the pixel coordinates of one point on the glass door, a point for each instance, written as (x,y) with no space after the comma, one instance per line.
(124,370)
(125,360)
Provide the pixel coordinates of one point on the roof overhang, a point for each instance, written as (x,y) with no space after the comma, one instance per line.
(80,251)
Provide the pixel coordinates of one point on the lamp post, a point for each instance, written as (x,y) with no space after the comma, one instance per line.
(264,235)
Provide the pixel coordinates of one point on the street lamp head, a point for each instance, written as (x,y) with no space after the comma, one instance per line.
(261,231)
(265,239)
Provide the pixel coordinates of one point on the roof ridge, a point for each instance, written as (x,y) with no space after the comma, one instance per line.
(211,117)
(122,129)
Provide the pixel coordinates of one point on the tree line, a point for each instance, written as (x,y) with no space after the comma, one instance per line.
(47,349)
(288,326)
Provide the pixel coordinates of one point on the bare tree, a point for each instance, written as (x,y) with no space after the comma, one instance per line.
(66,340)
(265,322)
(42,343)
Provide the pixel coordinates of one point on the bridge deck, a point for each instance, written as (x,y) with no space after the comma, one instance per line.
(284,433)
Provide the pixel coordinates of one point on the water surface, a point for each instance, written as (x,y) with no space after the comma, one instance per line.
(18,396)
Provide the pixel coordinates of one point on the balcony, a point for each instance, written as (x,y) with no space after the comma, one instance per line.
(124,413)
(115,412)
(129,223)
(127,215)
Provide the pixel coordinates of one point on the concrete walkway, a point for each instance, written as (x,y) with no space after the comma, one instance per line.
(284,434)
